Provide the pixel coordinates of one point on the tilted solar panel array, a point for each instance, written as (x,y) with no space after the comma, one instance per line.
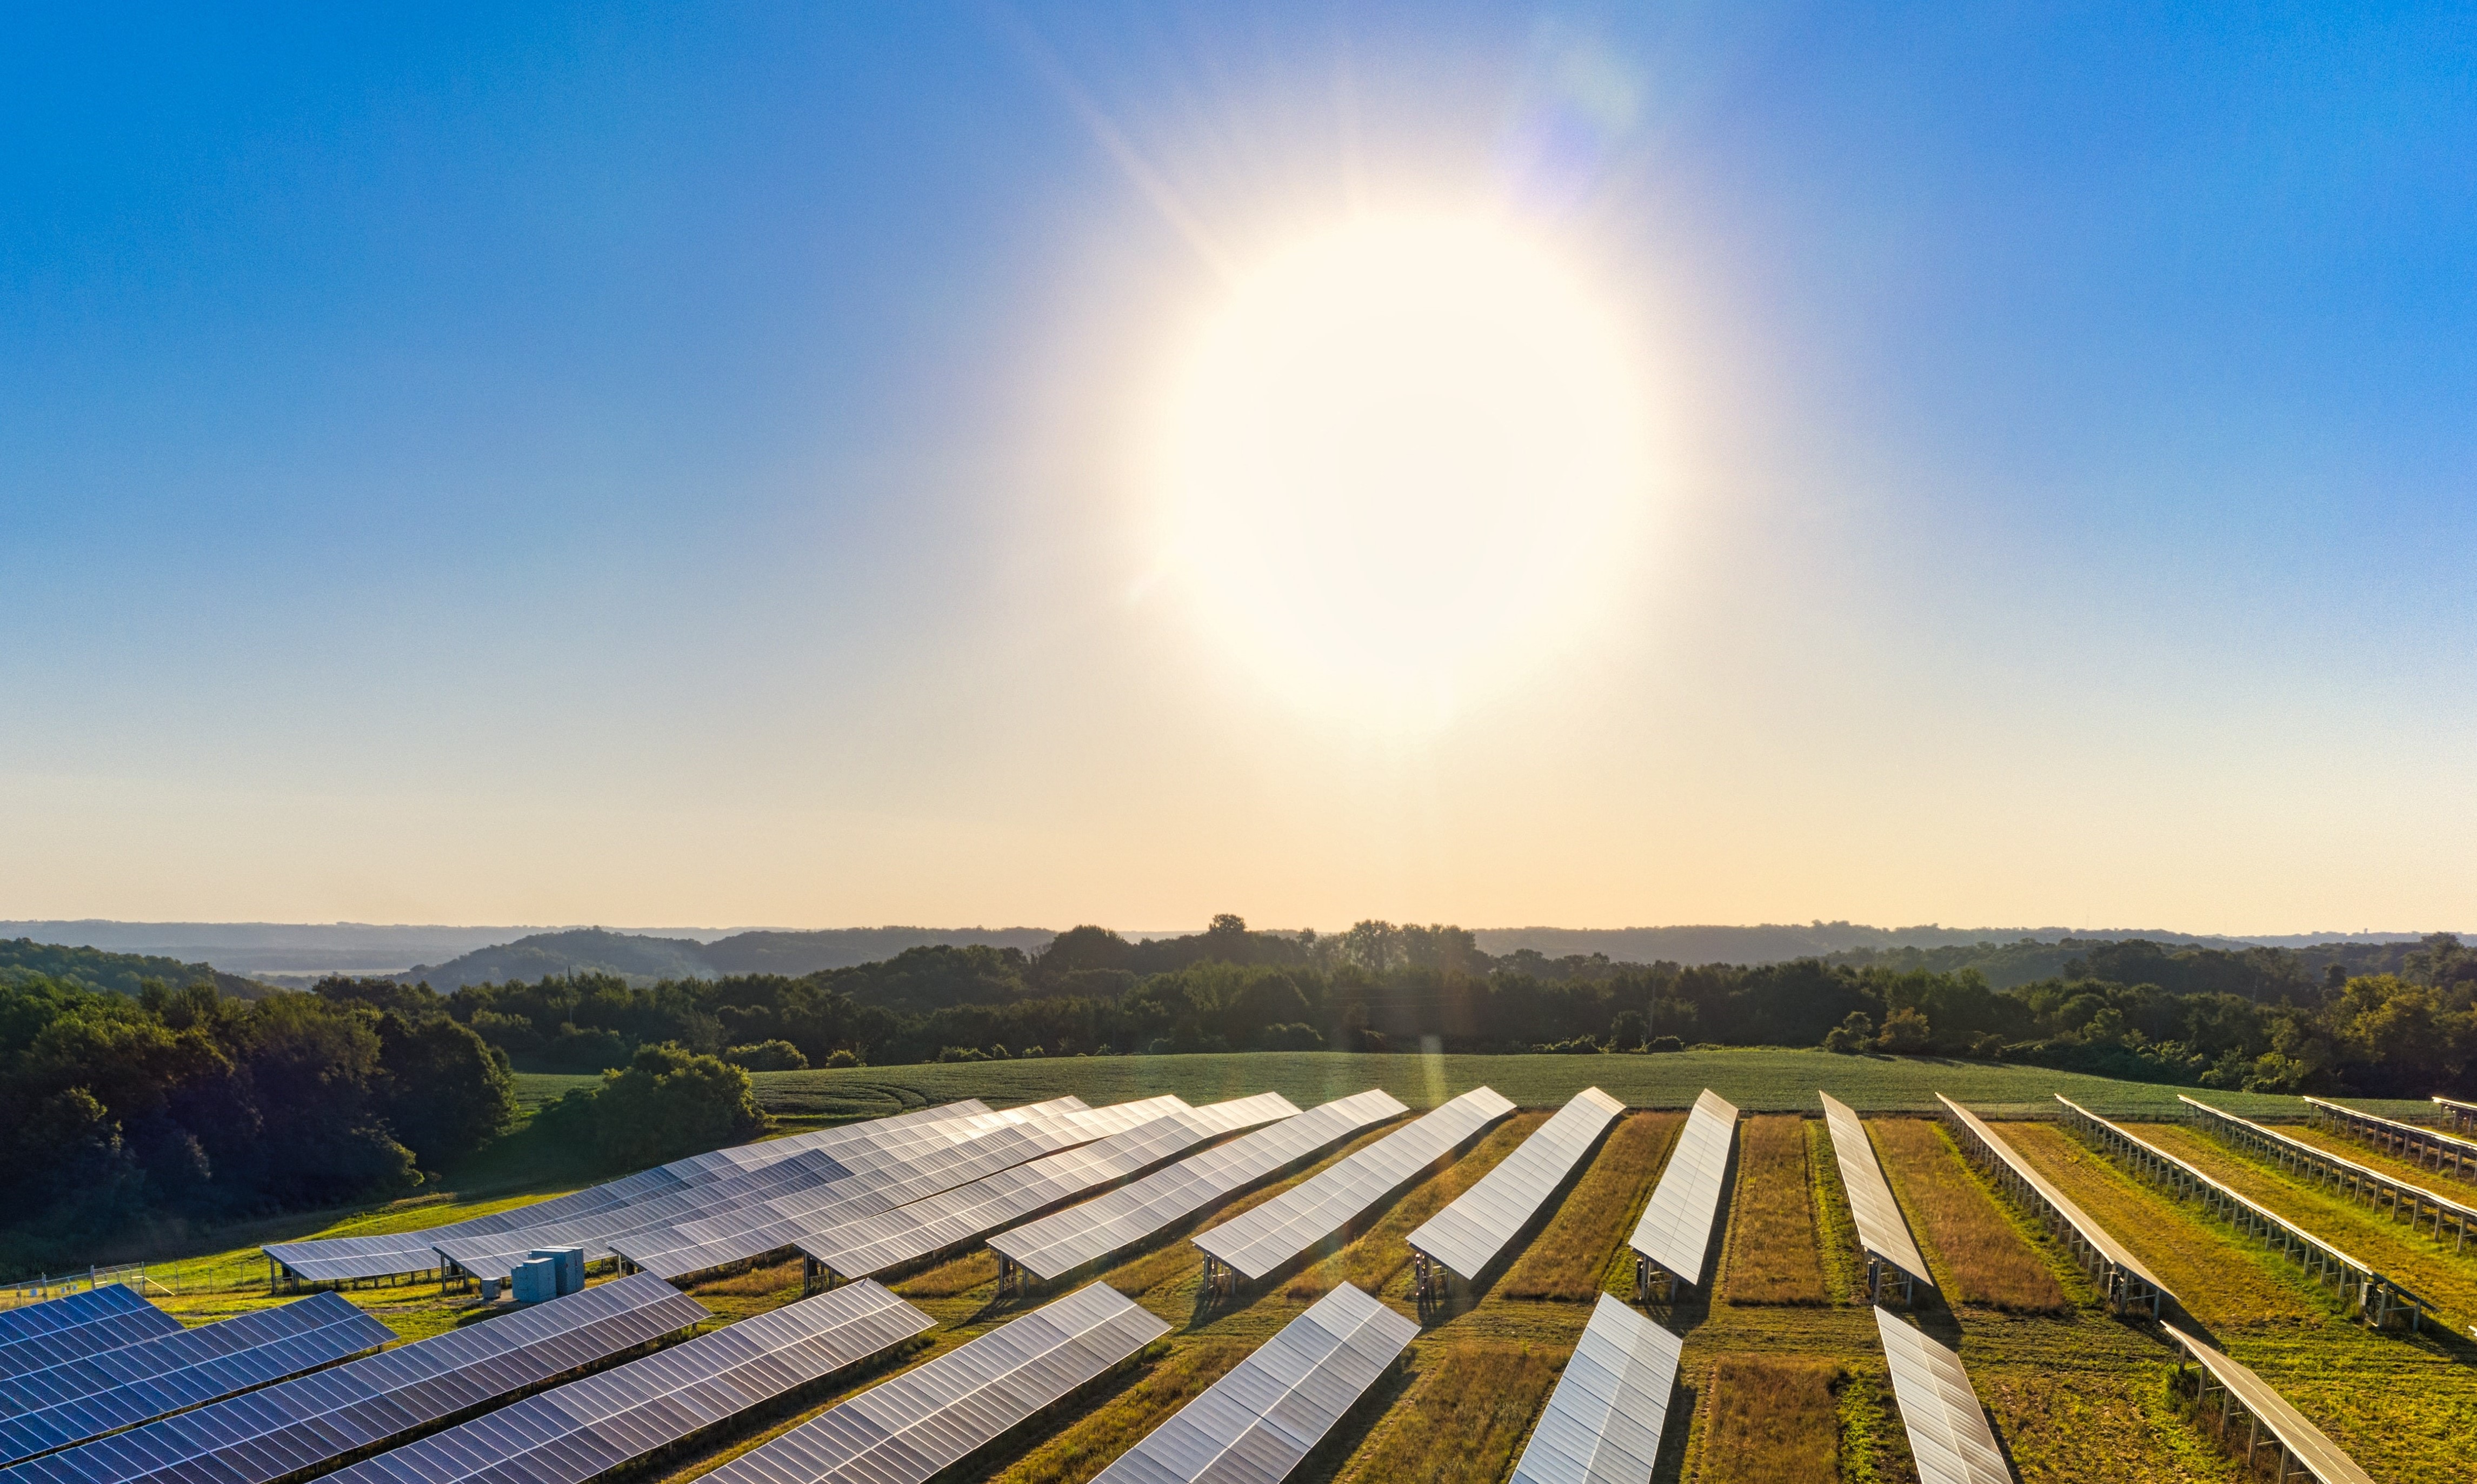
(330,1259)
(2308,1444)
(586,1428)
(1675,1231)
(89,1323)
(1058,1245)
(1316,1208)
(906,1166)
(282,1429)
(1467,1235)
(1881,1230)
(906,1430)
(1948,1433)
(752,1229)
(872,1244)
(1603,1423)
(1256,1423)
(99,1393)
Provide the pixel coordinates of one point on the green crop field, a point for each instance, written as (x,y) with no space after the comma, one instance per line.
(2075,1395)
(1757,1079)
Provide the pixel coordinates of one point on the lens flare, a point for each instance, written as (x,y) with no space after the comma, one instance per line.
(1402,461)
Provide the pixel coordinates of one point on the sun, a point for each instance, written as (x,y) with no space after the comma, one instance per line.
(1401,461)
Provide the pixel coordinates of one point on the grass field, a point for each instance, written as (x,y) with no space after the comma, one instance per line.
(1490,1390)
(2441,1181)
(2428,1266)
(1569,1261)
(1757,1079)
(1772,1256)
(1773,1418)
(1976,1255)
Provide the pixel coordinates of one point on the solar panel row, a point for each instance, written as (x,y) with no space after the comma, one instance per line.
(752,1229)
(1257,1422)
(2126,1281)
(1280,1229)
(1881,1230)
(99,1393)
(330,1259)
(1948,1433)
(906,1166)
(1058,1245)
(1603,1423)
(1675,1233)
(278,1430)
(587,1428)
(88,1324)
(1467,1235)
(2301,1444)
(2378,1299)
(929,1418)
(874,1244)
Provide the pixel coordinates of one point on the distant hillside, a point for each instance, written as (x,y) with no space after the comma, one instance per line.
(1780,943)
(121,972)
(642,960)
(846,947)
(639,960)
(304,949)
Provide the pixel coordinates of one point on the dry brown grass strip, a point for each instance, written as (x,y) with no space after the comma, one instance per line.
(1099,1435)
(1565,1263)
(955,1275)
(1774,1419)
(1381,1251)
(1460,1421)
(1773,1258)
(1983,1259)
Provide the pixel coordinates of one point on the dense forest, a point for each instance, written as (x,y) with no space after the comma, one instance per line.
(2375,1018)
(189,1102)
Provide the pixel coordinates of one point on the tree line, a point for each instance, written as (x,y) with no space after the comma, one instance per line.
(194,1104)
(2254,1018)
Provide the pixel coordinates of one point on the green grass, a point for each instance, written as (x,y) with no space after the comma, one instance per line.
(1757,1079)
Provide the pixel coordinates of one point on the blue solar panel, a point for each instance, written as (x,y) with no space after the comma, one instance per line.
(99,1393)
(589,1428)
(267,1434)
(89,1323)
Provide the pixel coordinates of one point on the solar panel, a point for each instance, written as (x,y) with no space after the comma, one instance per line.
(2122,1274)
(1256,1423)
(1602,1423)
(738,1210)
(1467,1235)
(751,1229)
(1280,1229)
(2301,1444)
(99,1393)
(88,1324)
(874,1244)
(932,1416)
(586,1428)
(1948,1433)
(1675,1232)
(331,1259)
(1054,1245)
(278,1430)
(2378,1296)
(1881,1230)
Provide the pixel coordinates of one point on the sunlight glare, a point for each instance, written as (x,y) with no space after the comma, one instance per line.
(1401,460)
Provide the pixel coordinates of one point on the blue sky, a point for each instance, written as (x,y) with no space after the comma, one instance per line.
(672,465)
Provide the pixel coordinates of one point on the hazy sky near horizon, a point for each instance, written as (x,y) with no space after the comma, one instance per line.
(651,464)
